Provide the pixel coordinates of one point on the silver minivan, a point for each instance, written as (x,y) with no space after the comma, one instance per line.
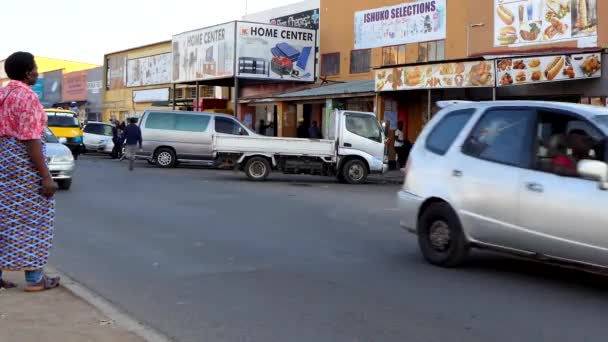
(171,137)
(522,177)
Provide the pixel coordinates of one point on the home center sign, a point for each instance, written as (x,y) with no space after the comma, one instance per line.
(275,52)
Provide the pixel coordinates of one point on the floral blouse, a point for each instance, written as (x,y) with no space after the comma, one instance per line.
(21,114)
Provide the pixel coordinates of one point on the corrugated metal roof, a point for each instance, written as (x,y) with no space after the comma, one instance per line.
(353,87)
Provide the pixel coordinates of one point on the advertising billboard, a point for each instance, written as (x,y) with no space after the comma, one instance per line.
(410,22)
(529,22)
(437,76)
(52,86)
(151,95)
(149,70)
(275,52)
(116,72)
(516,71)
(204,54)
(307,19)
(74,86)
(38,88)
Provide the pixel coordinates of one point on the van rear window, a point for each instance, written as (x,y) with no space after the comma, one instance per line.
(178,122)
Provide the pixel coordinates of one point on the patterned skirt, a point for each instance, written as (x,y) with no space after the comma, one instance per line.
(26,217)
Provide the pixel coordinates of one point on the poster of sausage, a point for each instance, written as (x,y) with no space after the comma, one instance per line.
(516,71)
(437,76)
(527,22)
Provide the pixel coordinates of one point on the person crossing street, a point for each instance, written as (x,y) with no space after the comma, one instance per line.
(132,140)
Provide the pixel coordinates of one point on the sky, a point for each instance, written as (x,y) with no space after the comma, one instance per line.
(82,30)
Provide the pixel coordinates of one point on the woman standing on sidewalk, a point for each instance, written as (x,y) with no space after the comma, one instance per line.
(27,207)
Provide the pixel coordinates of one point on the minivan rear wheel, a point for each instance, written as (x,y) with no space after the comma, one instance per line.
(165,158)
(440,236)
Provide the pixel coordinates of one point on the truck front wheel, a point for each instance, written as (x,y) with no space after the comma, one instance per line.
(354,172)
(257,169)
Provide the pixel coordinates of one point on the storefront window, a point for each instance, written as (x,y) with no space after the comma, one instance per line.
(360,61)
(389,55)
(418,53)
(330,64)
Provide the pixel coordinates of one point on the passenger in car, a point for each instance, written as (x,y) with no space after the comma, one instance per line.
(580,143)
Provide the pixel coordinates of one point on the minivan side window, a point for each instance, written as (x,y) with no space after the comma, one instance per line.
(443,135)
(161,121)
(228,126)
(192,123)
(503,136)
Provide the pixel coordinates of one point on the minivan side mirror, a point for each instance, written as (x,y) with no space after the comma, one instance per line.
(596,170)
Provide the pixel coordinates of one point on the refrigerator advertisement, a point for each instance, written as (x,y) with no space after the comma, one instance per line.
(436,76)
(149,70)
(516,71)
(528,22)
(275,52)
(411,22)
(204,54)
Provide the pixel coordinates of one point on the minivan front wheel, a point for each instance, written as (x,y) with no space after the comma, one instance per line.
(165,158)
(440,236)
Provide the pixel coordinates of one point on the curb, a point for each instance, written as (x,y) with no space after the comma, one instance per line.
(118,316)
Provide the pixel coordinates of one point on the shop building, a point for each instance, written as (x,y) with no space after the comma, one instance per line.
(138,79)
(46,64)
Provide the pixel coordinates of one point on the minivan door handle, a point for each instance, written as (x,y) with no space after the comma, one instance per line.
(457,173)
(535,187)
(348,145)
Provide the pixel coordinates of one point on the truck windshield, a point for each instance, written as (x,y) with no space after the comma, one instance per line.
(62,120)
(364,125)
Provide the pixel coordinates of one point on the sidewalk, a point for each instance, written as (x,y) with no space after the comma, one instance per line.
(54,315)
(392,177)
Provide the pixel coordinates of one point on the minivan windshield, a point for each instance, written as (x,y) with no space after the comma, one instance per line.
(49,137)
(602,121)
(62,120)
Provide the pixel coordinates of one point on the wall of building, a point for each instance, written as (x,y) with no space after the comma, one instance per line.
(118,99)
(337,34)
(46,64)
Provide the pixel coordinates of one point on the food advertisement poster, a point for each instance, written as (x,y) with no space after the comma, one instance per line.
(526,22)
(410,22)
(437,76)
(204,54)
(149,70)
(515,71)
(275,52)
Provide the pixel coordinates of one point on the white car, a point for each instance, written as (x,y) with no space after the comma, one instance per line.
(521,177)
(60,160)
(98,137)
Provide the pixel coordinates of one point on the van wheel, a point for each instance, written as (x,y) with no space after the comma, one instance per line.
(440,236)
(64,184)
(257,169)
(354,172)
(165,158)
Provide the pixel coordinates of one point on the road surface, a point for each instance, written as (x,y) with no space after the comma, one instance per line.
(204,255)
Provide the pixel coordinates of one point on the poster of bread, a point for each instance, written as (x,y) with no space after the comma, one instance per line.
(437,76)
(517,71)
(527,22)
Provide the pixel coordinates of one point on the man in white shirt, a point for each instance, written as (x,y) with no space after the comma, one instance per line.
(402,145)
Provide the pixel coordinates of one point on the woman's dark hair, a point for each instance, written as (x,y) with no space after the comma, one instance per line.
(18,65)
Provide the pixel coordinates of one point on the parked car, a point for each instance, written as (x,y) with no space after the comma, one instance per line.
(60,160)
(522,177)
(354,149)
(170,137)
(65,124)
(98,137)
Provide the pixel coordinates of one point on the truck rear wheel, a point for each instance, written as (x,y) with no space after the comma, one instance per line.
(257,169)
(354,172)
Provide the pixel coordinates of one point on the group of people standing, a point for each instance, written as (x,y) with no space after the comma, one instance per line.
(312,132)
(127,137)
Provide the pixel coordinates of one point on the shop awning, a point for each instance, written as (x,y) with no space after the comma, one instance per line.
(319,92)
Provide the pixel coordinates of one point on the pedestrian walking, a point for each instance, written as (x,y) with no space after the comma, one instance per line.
(314,132)
(400,145)
(27,207)
(116,139)
(132,140)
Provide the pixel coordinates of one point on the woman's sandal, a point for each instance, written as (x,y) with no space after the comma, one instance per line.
(46,283)
(5,284)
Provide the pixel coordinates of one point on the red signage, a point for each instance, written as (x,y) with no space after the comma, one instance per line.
(74,86)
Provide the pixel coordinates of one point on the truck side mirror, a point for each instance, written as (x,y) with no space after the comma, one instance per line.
(596,170)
